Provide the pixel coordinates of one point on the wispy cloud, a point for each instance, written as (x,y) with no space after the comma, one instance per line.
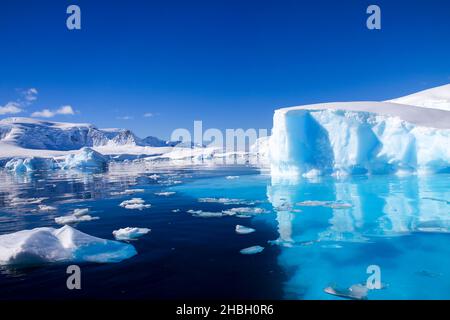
(47,113)
(125,118)
(26,98)
(10,108)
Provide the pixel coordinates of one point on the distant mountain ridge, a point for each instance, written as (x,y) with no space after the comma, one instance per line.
(47,135)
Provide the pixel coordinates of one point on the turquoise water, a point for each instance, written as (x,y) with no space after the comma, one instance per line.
(400,224)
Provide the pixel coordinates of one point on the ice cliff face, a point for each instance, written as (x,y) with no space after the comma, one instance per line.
(358,138)
(46,135)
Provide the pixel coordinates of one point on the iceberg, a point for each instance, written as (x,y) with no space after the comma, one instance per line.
(347,138)
(244,230)
(85,159)
(48,245)
(21,165)
(252,250)
(130,233)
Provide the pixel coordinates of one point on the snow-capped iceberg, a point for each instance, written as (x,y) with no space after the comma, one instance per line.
(85,159)
(130,233)
(21,165)
(359,137)
(48,245)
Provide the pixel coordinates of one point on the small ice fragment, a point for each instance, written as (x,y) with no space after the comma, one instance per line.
(355,292)
(130,233)
(244,230)
(245,211)
(74,219)
(176,210)
(135,204)
(127,192)
(232,177)
(154,177)
(43,207)
(80,212)
(205,214)
(252,250)
(165,194)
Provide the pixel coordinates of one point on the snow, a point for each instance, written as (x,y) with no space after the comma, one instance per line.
(130,233)
(135,204)
(359,137)
(244,230)
(435,98)
(252,250)
(85,159)
(48,245)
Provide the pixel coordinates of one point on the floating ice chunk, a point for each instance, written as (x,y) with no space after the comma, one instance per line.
(165,194)
(48,245)
(19,165)
(244,230)
(129,233)
(252,250)
(232,177)
(85,159)
(154,177)
(74,219)
(80,212)
(135,204)
(127,192)
(245,211)
(43,207)
(29,201)
(226,201)
(355,292)
(176,210)
(205,214)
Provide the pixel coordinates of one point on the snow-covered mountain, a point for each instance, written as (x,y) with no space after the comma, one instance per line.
(363,137)
(435,98)
(46,135)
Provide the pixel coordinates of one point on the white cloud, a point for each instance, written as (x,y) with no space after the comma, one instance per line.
(10,108)
(148,115)
(30,94)
(67,110)
(125,118)
(47,113)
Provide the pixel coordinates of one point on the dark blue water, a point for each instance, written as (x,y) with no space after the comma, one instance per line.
(400,224)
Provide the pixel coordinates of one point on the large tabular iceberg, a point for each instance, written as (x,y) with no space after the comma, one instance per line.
(359,137)
(48,245)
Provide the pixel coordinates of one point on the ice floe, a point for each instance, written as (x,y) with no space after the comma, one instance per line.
(205,214)
(245,211)
(244,230)
(165,194)
(127,192)
(130,233)
(252,250)
(329,204)
(43,207)
(231,177)
(78,215)
(227,201)
(135,204)
(48,245)
(355,292)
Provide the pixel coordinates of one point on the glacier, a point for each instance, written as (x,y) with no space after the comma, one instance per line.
(359,138)
(45,245)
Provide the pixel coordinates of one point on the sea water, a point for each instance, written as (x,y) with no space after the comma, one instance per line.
(315,233)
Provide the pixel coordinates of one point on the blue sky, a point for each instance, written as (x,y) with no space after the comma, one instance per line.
(229,63)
